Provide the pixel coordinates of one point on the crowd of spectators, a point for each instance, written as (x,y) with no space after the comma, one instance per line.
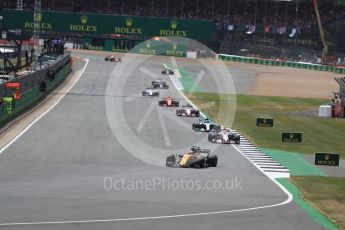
(277,14)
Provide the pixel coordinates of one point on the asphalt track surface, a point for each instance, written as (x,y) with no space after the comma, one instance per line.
(52,177)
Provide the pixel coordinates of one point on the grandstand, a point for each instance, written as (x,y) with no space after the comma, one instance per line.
(281,29)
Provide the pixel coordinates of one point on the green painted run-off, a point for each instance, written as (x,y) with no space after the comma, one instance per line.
(188,82)
(295,162)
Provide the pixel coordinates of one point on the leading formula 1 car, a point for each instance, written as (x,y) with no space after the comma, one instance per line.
(168,102)
(203,125)
(167,71)
(160,84)
(112,58)
(188,111)
(224,136)
(195,158)
(150,92)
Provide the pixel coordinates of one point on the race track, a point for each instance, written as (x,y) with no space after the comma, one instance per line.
(53,176)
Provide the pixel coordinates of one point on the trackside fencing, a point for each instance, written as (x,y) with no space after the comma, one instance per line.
(31,90)
(299,65)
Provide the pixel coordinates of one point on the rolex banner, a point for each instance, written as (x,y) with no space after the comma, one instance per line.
(108,24)
(327,159)
(264,122)
(176,47)
(292,137)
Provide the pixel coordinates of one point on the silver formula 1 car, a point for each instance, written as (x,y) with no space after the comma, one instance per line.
(150,92)
(224,136)
(203,125)
(160,84)
(188,111)
(195,158)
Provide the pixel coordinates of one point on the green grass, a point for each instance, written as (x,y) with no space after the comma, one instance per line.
(289,114)
(326,193)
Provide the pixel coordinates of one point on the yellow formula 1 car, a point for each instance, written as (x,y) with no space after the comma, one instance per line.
(196,158)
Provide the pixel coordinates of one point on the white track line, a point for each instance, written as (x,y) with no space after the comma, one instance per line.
(145,218)
(46,112)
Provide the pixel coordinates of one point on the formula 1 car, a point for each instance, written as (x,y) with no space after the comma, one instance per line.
(168,102)
(195,158)
(203,125)
(224,136)
(160,84)
(150,92)
(112,58)
(188,111)
(167,71)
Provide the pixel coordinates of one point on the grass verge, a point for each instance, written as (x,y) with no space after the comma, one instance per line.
(327,194)
(289,114)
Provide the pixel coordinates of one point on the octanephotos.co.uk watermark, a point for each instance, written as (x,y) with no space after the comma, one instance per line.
(168,184)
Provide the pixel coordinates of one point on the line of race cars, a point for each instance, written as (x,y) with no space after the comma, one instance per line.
(197,157)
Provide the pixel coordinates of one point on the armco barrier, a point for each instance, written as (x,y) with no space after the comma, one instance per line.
(300,65)
(10,107)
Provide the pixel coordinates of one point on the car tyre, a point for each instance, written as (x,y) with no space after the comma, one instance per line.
(212,161)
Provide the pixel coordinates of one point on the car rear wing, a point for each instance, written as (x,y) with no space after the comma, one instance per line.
(199,150)
(187,106)
(204,150)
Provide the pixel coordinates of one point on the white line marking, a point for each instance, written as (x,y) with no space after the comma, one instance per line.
(46,112)
(146,116)
(264,163)
(275,169)
(150,217)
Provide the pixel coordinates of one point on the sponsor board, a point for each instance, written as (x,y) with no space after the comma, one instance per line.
(264,122)
(328,159)
(293,137)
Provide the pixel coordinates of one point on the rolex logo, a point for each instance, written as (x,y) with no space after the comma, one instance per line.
(83,19)
(174,46)
(173,24)
(327,157)
(291,135)
(148,45)
(38,17)
(129,22)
